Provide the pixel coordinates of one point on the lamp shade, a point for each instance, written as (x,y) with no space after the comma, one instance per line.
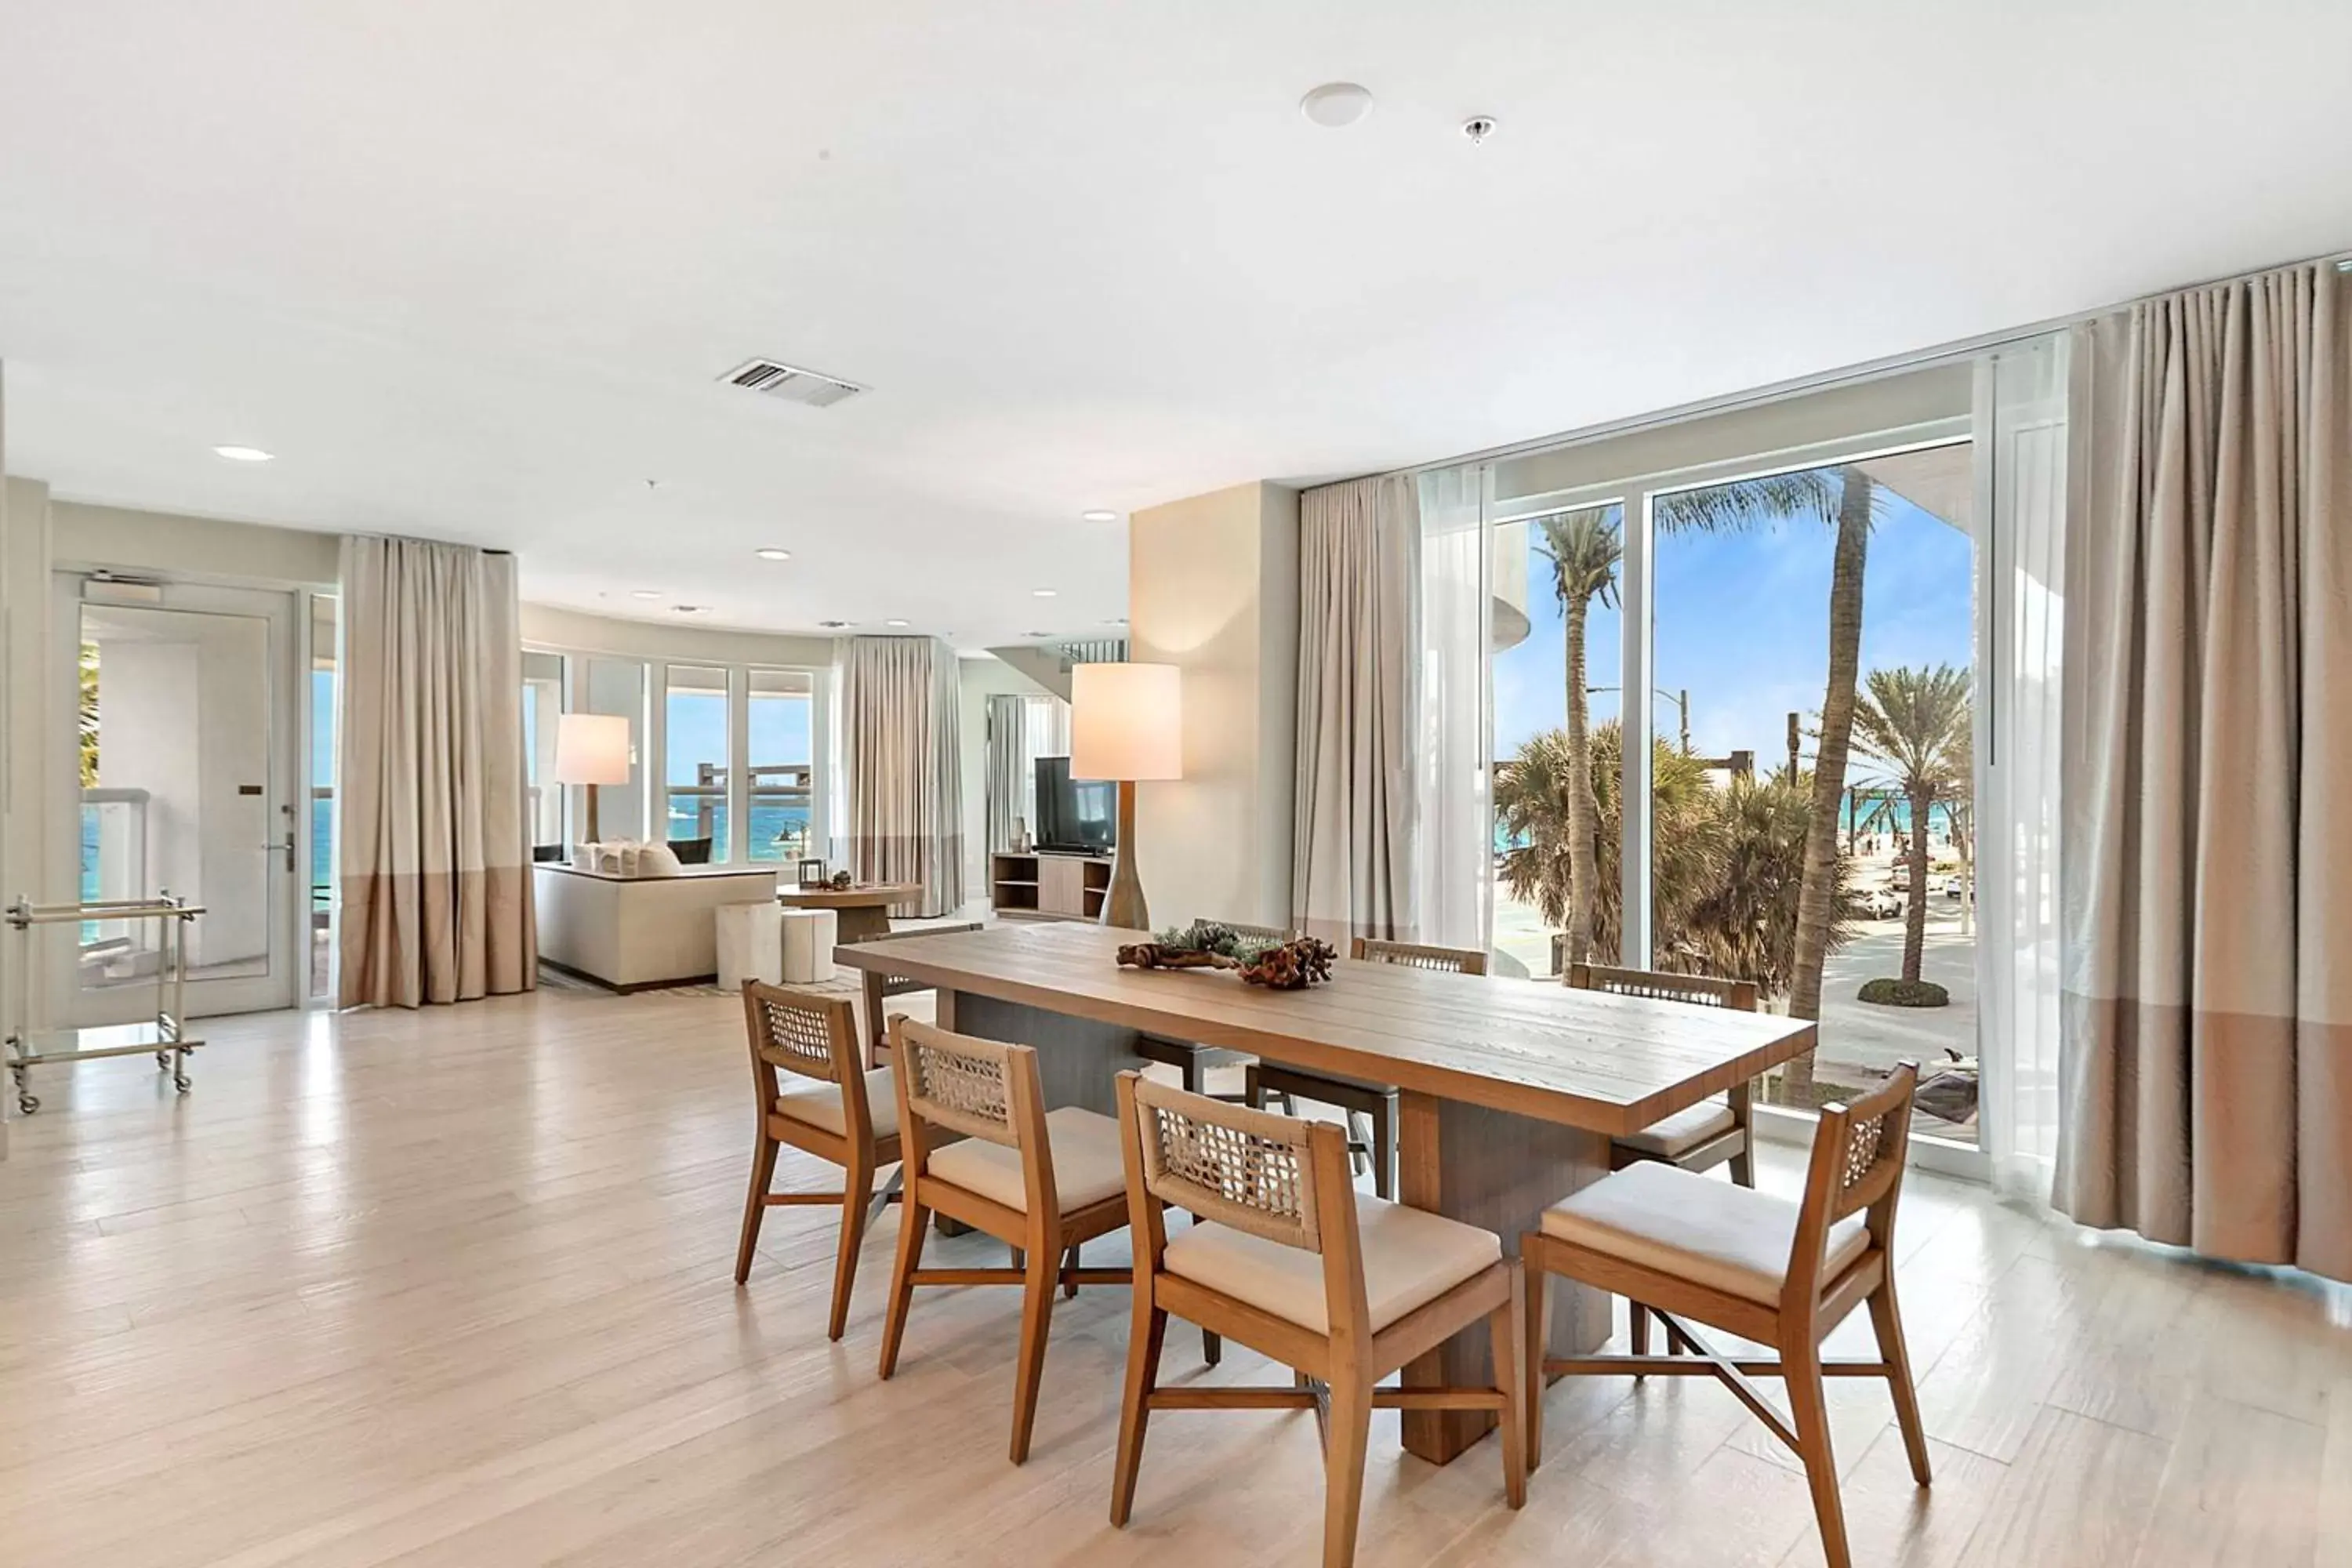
(1127,722)
(592,749)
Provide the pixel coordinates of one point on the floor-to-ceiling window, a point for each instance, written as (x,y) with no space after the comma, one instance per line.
(694,765)
(542,711)
(1675,619)
(780,765)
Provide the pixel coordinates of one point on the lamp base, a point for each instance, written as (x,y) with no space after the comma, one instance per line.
(1123,905)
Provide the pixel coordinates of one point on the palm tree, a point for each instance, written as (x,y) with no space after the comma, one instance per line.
(1916,721)
(1845,497)
(1583,548)
(87,718)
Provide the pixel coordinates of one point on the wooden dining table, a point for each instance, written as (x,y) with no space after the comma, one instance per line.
(1509,1091)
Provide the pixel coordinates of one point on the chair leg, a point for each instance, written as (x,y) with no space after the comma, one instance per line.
(1360,1144)
(1070,1274)
(755,1203)
(1384,1151)
(1507,1331)
(1800,1365)
(856,1196)
(1886,1326)
(1144,1339)
(1743,1164)
(1036,1324)
(1641,1321)
(1343,1465)
(1536,1318)
(1212,1347)
(914,1224)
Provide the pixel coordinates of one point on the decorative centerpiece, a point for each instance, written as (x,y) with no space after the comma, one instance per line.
(843,881)
(1279,965)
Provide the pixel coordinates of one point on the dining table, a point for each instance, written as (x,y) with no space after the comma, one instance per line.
(1508,1091)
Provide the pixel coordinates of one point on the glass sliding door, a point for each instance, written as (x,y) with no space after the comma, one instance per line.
(695,736)
(1787,607)
(780,764)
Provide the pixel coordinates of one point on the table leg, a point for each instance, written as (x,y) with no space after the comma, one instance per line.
(1499,1172)
(860,923)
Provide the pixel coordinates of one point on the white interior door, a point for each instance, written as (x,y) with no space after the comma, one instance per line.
(184,783)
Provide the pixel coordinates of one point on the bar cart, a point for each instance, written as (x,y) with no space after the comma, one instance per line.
(165,1035)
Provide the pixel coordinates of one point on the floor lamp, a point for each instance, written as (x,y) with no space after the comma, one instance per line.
(1127,724)
(592,749)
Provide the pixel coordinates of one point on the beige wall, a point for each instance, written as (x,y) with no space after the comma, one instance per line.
(196,549)
(544,626)
(1212,587)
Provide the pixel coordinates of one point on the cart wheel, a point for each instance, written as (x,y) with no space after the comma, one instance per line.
(180,1081)
(29,1103)
(162,1059)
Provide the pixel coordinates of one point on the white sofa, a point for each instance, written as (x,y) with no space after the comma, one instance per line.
(636,933)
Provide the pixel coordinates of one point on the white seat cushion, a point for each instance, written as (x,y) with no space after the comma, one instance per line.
(1410,1259)
(818,1103)
(1088,1164)
(1724,1236)
(1671,1137)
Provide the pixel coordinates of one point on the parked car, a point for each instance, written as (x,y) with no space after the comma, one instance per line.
(1880,904)
(1955,887)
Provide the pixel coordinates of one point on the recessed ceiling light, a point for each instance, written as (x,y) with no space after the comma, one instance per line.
(644,594)
(1336,103)
(1098,516)
(894,623)
(1042,593)
(242,454)
(773,555)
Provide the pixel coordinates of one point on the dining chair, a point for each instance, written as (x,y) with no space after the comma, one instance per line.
(880,988)
(826,1103)
(1712,1130)
(1289,1259)
(1685,1249)
(1195,1064)
(1042,1182)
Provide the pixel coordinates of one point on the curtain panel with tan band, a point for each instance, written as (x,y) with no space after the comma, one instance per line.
(902,766)
(434,849)
(2207,1062)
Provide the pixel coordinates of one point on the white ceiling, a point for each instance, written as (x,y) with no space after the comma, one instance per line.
(469,269)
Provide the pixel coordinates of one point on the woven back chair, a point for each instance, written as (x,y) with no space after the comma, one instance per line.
(1657,1236)
(811,1090)
(1418,955)
(1711,1133)
(1042,1182)
(1264,1188)
(880,987)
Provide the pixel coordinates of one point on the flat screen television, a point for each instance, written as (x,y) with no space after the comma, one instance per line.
(1074,815)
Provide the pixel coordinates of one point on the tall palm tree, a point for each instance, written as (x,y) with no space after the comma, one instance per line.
(1583,547)
(1916,721)
(1846,498)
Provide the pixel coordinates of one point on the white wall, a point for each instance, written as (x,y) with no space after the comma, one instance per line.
(1214,589)
(570,631)
(194,549)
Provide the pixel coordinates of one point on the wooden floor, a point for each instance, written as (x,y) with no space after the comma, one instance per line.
(453,1287)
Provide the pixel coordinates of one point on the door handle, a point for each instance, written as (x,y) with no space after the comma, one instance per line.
(287,845)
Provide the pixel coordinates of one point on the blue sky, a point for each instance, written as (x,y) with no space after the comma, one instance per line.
(1742,622)
(697,732)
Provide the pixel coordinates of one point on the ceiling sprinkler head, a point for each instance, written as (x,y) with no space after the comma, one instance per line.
(1478,127)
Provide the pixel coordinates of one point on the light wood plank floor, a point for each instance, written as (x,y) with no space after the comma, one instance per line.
(453,1287)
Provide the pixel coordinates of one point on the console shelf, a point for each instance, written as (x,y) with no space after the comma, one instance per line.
(1048,885)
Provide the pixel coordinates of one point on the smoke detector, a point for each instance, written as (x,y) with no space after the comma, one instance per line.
(773,378)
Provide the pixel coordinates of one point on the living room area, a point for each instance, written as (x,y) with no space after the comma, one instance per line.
(1408,744)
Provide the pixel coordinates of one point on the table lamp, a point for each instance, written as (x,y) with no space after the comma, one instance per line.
(1127,724)
(592,749)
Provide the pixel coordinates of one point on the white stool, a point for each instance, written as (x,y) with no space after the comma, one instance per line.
(751,945)
(809,936)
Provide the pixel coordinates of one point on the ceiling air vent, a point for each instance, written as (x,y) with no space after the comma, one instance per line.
(771,379)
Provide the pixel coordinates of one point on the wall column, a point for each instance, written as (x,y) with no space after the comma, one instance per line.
(1212,587)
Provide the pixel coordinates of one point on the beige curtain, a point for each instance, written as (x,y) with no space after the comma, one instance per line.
(1359,642)
(2207,1064)
(903,767)
(1008,755)
(434,848)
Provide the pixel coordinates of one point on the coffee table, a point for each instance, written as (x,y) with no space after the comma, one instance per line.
(863,911)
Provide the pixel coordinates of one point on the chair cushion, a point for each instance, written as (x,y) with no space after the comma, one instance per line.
(1088,1164)
(1724,1236)
(1671,1137)
(1411,1258)
(818,1103)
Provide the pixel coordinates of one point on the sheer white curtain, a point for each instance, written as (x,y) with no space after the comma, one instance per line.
(1455,846)
(2022,427)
